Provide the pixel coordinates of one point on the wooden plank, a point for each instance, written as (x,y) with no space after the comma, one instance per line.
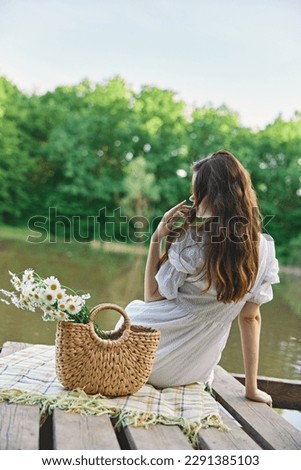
(285,393)
(72,431)
(19,427)
(258,421)
(264,425)
(92,432)
(19,424)
(235,438)
(156,436)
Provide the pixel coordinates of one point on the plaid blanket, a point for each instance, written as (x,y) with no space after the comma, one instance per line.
(28,377)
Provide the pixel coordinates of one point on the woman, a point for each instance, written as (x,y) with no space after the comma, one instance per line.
(211,273)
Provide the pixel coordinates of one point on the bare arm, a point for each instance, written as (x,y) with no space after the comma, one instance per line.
(151,292)
(249,321)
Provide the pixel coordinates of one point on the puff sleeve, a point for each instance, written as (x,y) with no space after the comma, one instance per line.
(183,260)
(262,291)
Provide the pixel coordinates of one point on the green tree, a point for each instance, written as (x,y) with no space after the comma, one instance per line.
(85,153)
(15,162)
(161,138)
(279,184)
(212,129)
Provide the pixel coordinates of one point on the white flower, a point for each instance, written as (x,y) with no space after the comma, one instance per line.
(52,283)
(28,276)
(86,296)
(16,282)
(49,297)
(36,295)
(27,298)
(31,308)
(23,302)
(7,293)
(48,317)
(27,292)
(16,301)
(48,313)
(47,309)
(62,305)
(32,292)
(62,316)
(74,304)
(13,298)
(60,295)
(51,315)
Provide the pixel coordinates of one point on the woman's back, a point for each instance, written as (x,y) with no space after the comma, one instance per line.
(195,326)
(181,275)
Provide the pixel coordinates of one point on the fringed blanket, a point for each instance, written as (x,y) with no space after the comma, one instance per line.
(28,377)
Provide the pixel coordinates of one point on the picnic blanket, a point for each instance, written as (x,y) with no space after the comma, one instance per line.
(28,377)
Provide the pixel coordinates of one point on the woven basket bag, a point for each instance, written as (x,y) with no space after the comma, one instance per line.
(117,366)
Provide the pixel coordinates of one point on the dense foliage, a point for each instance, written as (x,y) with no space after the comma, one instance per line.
(109,161)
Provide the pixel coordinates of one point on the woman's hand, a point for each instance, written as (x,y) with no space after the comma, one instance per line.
(151,291)
(259,395)
(169,219)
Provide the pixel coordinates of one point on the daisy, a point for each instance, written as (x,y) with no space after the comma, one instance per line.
(16,282)
(52,283)
(27,292)
(86,296)
(62,316)
(24,304)
(15,301)
(47,310)
(36,295)
(48,317)
(6,292)
(28,298)
(31,307)
(27,276)
(74,304)
(62,305)
(60,295)
(48,313)
(49,296)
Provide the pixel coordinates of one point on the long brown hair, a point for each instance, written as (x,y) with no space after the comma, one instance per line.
(231,233)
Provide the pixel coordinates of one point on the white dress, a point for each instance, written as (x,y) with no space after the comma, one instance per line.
(195,327)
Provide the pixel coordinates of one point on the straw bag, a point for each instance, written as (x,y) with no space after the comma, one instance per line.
(116,366)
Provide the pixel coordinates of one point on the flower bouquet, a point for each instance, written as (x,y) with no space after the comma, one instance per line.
(55,301)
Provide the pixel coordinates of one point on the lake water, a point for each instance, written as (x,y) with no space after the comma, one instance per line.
(117,277)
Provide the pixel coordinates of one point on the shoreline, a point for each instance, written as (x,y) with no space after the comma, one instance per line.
(291,270)
(8,233)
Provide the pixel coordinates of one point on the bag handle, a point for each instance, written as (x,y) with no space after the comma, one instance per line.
(108,306)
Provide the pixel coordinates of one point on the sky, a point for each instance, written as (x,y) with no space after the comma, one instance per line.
(242,53)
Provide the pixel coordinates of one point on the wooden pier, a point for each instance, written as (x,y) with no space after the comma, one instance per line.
(253,426)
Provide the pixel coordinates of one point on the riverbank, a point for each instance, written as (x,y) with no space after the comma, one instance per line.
(291,270)
(21,234)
